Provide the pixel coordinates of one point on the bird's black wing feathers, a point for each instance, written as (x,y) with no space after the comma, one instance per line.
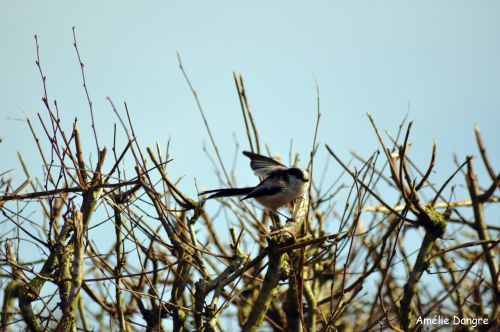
(263,191)
(262,165)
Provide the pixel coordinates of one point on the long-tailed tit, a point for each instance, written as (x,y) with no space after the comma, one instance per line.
(281,184)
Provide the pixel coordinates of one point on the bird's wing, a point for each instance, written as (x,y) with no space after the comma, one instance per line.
(262,165)
(269,186)
(260,191)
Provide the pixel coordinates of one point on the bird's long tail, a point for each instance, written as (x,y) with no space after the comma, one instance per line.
(227,192)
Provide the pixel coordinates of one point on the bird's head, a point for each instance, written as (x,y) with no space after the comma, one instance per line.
(299,174)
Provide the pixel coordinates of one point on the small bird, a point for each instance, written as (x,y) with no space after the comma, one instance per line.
(281,184)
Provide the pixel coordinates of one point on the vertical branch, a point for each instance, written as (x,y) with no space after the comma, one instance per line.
(292,305)
(12,288)
(85,88)
(480,226)
(178,286)
(268,289)
(411,286)
(484,155)
(119,262)
(310,292)
(435,225)
(30,291)
(72,274)
(250,114)
(83,314)
(243,111)
(82,175)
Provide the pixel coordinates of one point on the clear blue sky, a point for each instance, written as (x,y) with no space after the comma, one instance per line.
(440,57)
